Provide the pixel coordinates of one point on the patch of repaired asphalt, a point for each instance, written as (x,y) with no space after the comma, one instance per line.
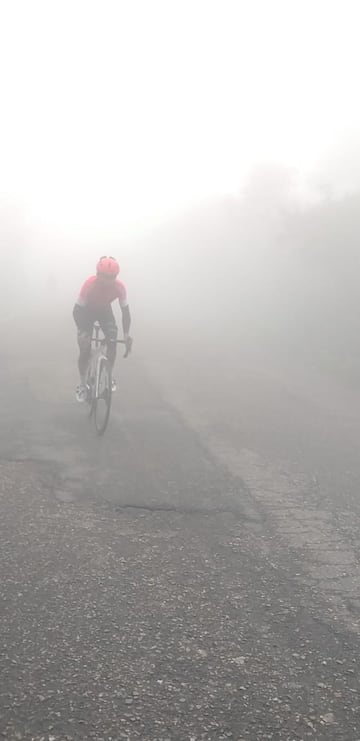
(124,624)
(145,453)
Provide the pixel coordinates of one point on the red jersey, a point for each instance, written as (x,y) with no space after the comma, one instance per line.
(97,293)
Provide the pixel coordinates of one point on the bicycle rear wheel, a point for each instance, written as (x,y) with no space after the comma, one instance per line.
(102,401)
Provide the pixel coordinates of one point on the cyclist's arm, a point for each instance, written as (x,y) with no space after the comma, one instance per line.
(126,319)
(125,310)
(83,296)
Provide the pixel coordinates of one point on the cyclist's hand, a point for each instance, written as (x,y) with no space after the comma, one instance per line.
(128,343)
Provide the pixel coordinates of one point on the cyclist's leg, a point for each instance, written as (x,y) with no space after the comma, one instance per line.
(108,325)
(84,322)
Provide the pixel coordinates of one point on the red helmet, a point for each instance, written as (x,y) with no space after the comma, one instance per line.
(108,266)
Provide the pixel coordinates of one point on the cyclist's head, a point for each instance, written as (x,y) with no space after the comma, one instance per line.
(107,268)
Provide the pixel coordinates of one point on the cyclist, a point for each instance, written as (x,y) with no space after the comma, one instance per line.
(94,305)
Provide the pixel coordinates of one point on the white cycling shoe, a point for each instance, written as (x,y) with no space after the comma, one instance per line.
(81,393)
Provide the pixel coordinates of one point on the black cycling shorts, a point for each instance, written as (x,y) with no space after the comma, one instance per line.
(86,316)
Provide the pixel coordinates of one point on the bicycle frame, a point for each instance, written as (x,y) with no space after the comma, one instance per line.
(96,357)
(98,354)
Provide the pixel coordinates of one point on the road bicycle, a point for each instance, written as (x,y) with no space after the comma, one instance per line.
(99,380)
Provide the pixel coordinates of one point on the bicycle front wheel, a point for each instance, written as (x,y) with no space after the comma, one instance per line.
(90,386)
(102,403)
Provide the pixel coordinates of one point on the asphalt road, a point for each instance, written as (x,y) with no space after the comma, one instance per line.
(187,576)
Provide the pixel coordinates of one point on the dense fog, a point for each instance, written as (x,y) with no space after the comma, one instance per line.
(257,275)
(222,180)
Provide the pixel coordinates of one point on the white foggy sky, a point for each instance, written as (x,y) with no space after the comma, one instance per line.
(115,113)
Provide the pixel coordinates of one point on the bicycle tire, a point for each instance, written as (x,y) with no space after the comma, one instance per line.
(91,390)
(105,396)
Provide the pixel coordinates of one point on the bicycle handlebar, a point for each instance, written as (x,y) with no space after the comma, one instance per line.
(104,341)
